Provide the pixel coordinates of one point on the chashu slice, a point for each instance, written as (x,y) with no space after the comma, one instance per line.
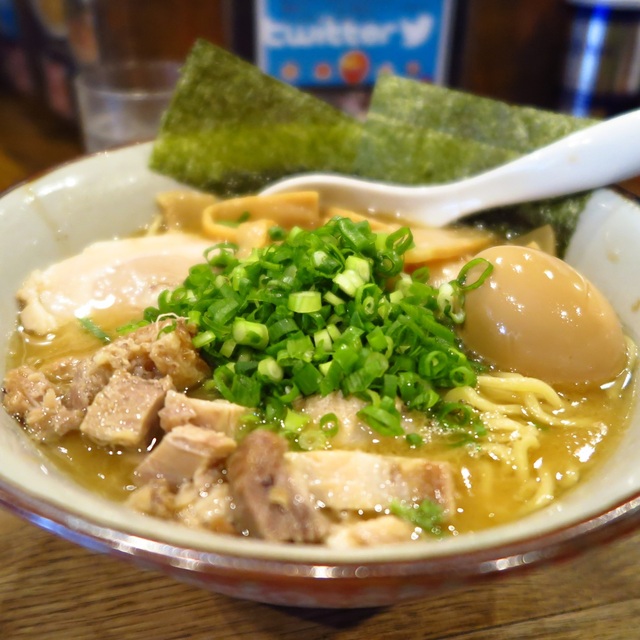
(368,482)
(120,276)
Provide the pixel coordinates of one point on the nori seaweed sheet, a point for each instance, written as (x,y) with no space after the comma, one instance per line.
(231,129)
(418,133)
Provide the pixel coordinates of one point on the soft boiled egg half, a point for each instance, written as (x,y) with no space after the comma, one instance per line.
(538,316)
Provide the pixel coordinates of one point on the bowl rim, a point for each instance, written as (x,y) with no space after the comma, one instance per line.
(563,543)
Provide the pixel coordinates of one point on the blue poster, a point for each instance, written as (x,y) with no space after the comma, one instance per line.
(349,42)
(9,20)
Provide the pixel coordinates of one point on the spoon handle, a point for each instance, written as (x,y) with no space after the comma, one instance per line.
(596,156)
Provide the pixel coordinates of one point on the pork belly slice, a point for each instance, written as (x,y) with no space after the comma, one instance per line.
(219,415)
(268,503)
(37,402)
(353,433)
(354,480)
(182,452)
(121,276)
(125,411)
(370,533)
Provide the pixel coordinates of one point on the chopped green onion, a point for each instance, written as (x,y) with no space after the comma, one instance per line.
(290,395)
(90,326)
(226,350)
(300,348)
(427,515)
(204,338)
(305,301)
(455,415)
(395,296)
(349,281)
(281,328)
(253,334)
(333,331)
(270,369)
(464,272)
(400,241)
(328,310)
(377,340)
(307,378)
(295,421)
(330,424)
(332,298)
(323,340)
(324,368)
(277,233)
(414,440)
(384,420)
(312,440)
(360,266)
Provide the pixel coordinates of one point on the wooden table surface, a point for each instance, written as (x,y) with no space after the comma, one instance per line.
(53,589)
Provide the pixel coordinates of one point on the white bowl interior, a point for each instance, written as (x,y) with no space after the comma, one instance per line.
(112,194)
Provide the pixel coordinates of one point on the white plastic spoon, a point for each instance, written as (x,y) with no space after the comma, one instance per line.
(599,155)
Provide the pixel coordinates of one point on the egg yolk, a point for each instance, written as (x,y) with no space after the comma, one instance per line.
(538,316)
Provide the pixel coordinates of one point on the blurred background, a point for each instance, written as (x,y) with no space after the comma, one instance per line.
(580,57)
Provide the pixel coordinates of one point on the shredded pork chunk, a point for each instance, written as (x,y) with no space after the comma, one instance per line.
(32,398)
(153,351)
(125,411)
(155,499)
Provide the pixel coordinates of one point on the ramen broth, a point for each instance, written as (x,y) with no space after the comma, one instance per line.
(488,491)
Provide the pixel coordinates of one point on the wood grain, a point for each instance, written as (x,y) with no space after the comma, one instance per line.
(50,588)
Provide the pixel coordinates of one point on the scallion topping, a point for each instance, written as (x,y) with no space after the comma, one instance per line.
(91,327)
(427,515)
(327,310)
(305,301)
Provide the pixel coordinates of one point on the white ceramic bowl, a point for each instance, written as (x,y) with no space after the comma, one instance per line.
(111,194)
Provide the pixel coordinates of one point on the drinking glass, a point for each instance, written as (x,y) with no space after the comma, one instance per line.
(123,102)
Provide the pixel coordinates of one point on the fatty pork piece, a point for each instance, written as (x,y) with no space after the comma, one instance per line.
(182,452)
(121,276)
(202,503)
(287,496)
(370,533)
(208,507)
(219,415)
(367,482)
(353,433)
